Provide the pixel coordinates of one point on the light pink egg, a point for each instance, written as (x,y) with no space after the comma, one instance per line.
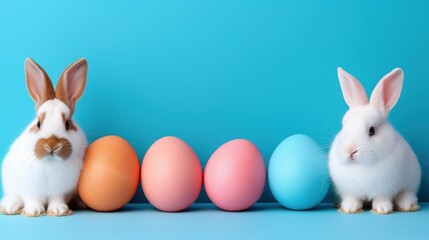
(171,175)
(234,177)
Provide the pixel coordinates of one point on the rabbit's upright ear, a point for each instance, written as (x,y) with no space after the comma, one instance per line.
(38,83)
(353,92)
(386,93)
(72,83)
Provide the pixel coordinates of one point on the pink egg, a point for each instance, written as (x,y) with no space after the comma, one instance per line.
(171,175)
(234,176)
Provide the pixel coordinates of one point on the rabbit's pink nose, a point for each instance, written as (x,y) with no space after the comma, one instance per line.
(351,150)
(352,154)
(51,148)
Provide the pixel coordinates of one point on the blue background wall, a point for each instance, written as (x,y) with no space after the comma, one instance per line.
(211,71)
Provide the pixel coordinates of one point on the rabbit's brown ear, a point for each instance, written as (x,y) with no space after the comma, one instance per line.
(38,83)
(72,83)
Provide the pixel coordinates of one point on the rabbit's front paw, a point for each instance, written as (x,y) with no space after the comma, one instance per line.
(11,206)
(407,202)
(33,210)
(351,206)
(58,209)
(381,206)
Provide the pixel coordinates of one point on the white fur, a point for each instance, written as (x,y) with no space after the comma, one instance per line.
(384,169)
(30,183)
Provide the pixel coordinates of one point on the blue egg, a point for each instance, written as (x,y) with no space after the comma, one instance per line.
(298,173)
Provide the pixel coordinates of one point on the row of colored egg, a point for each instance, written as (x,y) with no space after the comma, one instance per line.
(172,176)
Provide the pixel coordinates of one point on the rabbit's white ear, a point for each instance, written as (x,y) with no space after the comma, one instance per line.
(353,92)
(72,83)
(38,83)
(386,93)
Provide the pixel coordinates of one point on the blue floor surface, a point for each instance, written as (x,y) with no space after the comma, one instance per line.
(205,221)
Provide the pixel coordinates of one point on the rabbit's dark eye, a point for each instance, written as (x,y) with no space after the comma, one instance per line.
(67,125)
(38,124)
(371,131)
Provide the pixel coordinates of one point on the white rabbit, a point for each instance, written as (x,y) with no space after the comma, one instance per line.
(369,160)
(43,165)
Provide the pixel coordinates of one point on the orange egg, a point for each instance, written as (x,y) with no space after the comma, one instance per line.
(110,174)
(171,175)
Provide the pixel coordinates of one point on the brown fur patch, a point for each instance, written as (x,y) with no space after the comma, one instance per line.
(68,197)
(74,201)
(41,118)
(71,125)
(34,128)
(53,145)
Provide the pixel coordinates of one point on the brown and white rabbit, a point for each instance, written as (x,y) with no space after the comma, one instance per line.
(43,165)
